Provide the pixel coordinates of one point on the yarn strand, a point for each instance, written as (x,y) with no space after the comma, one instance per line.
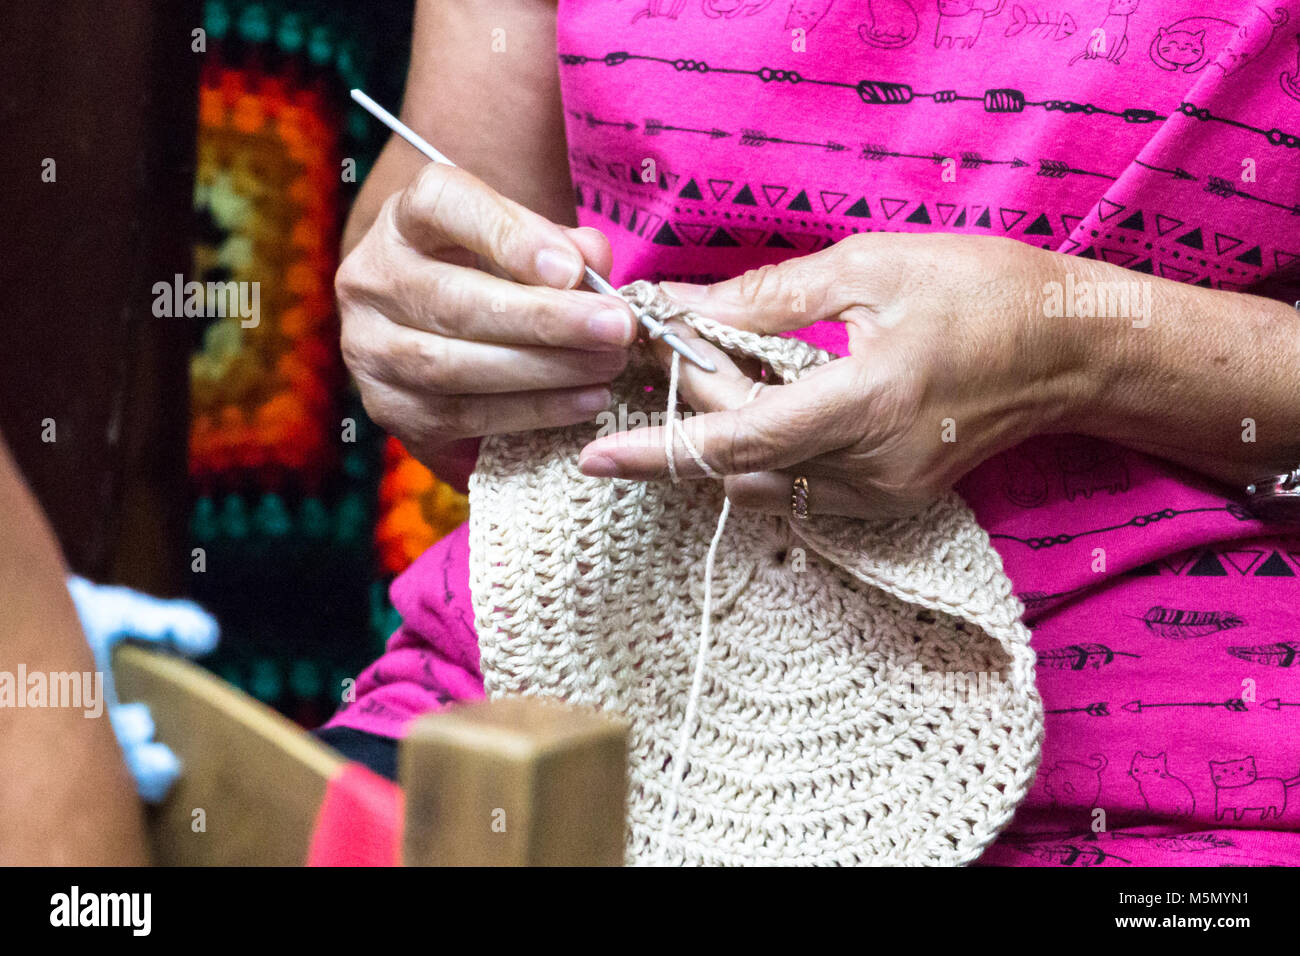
(676,429)
(683,750)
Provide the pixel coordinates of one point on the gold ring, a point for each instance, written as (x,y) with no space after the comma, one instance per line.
(799,498)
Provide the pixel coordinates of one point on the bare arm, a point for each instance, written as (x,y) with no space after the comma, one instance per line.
(65,795)
(458,296)
(1212,382)
(496,114)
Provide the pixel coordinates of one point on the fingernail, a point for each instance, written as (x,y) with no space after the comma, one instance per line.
(685,292)
(598,466)
(559,269)
(596,400)
(613,326)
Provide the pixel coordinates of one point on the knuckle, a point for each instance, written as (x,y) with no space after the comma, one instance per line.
(857,242)
(422,203)
(423,357)
(357,349)
(549,327)
(368,273)
(508,240)
(436,299)
(354,280)
(346,280)
(460,416)
(353,349)
(743,449)
(555,329)
(761,283)
(379,411)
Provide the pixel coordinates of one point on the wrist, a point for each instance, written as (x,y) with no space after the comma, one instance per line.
(1196,376)
(1089,313)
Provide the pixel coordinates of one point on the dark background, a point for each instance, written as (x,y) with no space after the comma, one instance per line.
(110,92)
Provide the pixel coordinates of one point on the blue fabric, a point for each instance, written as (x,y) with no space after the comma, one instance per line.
(110,614)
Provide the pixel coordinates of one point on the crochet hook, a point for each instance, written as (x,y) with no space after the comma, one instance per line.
(657,329)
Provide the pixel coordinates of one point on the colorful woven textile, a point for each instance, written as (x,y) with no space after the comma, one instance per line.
(303,510)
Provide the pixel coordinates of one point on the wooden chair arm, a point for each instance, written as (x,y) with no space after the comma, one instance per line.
(517,781)
(257,777)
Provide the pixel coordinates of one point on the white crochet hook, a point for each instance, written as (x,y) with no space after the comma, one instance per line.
(652,325)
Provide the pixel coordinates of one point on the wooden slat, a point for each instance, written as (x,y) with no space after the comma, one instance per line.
(258,778)
(515,782)
(518,781)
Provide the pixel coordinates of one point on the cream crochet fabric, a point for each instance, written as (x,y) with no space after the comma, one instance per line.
(820,737)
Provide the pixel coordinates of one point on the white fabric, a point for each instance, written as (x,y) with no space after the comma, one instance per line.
(813,743)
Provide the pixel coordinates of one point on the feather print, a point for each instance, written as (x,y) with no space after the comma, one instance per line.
(1070,854)
(1281,654)
(1179,625)
(1173,843)
(1045,836)
(1035,599)
(1182,843)
(1076,657)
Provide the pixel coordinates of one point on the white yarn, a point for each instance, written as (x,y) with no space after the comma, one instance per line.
(781,734)
(670,433)
(693,699)
(683,753)
(676,429)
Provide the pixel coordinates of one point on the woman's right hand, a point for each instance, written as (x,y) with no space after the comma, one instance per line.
(460,317)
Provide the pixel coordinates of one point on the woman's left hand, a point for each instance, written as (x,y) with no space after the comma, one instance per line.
(951,361)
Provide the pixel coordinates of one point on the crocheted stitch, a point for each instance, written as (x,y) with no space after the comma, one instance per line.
(820,737)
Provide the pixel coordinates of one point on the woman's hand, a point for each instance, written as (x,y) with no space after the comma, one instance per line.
(952,360)
(460,317)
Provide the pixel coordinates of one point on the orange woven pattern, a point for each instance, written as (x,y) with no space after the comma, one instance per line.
(269,178)
(265,402)
(416,509)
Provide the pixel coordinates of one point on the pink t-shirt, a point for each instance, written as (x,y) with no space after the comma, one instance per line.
(1147,135)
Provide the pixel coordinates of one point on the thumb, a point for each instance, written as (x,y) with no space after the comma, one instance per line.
(772,298)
